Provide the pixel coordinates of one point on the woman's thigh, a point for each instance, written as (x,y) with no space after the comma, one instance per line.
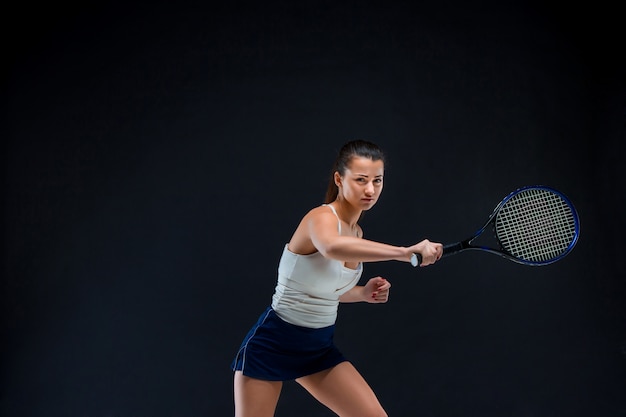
(344,391)
(255,397)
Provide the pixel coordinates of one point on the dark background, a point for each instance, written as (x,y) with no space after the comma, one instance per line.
(158,157)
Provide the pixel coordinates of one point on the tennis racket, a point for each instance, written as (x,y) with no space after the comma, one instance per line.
(534,225)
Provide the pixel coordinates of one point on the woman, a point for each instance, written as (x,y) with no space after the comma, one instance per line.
(319,268)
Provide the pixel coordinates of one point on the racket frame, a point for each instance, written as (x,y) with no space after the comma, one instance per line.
(454,248)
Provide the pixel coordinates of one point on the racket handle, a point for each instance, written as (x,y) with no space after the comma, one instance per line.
(416,259)
(448,250)
(452,248)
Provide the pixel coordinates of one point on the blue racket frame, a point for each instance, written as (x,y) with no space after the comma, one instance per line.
(466,244)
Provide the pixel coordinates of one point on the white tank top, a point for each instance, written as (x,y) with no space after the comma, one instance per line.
(309,286)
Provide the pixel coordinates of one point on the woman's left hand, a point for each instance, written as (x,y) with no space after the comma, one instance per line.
(377,290)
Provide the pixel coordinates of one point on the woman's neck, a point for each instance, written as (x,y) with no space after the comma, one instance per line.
(346,212)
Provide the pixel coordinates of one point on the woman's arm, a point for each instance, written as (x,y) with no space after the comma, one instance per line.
(375,291)
(322,228)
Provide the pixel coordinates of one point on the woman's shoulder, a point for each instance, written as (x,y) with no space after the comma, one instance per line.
(322,209)
(322,214)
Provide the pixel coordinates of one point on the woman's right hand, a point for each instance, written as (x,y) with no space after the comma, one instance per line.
(431,252)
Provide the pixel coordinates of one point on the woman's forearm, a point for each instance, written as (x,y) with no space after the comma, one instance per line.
(353,249)
(354,295)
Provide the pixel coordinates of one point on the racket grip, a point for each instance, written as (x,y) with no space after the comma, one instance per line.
(452,248)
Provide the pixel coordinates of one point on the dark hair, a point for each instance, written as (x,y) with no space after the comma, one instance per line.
(361,148)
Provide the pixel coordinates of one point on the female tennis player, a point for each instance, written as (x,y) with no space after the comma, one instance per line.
(319,268)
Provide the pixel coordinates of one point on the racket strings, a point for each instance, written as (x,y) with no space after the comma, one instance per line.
(536,225)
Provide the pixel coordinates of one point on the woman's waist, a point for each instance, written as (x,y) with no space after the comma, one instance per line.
(304,309)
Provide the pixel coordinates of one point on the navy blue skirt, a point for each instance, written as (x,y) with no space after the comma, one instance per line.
(274,350)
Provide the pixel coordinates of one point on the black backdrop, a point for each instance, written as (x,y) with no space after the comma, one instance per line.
(157,158)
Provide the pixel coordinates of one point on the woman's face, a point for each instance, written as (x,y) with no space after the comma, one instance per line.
(362,183)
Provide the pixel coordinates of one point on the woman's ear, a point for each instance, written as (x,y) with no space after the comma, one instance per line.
(337,178)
